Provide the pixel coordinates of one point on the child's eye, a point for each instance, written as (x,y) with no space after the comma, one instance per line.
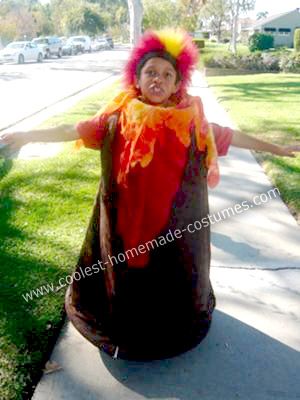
(150,72)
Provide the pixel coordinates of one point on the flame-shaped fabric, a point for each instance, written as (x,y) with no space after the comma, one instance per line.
(150,153)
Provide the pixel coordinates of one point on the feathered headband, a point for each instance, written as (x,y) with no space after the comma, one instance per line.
(174,45)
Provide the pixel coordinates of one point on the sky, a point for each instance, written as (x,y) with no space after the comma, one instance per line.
(275,7)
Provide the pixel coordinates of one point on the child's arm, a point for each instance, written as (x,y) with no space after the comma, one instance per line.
(242,140)
(62,133)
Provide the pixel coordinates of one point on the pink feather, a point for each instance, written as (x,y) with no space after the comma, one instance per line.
(186,61)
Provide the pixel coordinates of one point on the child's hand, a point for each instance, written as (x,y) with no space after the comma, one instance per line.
(14,140)
(287,151)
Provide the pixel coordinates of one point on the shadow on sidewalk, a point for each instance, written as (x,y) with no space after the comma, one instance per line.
(234,361)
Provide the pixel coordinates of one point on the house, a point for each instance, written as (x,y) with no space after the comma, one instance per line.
(281,26)
(245,28)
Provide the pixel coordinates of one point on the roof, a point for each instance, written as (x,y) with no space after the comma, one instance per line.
(272,18)
(19,42)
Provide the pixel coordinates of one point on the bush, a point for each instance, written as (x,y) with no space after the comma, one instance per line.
(297,40)
(200,43)
(290,63)
(260,41)
(271,62)
(258,61)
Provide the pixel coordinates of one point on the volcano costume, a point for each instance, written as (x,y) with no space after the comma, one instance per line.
(144,291)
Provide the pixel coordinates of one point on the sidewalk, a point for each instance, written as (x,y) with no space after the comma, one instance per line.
(252,350)
(41,150)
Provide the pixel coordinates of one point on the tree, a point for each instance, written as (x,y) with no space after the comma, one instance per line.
(297,40)
(115,16)
(17,20)
(236,8)
(190,12)
(135,16)
(160,14)
(73,17)
(262,15)
(43,20)
(216,12)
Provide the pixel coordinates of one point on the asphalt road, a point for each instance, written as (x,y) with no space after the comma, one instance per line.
(31,87)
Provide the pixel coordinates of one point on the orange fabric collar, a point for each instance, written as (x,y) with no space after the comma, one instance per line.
(141,124)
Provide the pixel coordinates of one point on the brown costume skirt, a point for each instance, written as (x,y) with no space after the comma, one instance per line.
(163,309)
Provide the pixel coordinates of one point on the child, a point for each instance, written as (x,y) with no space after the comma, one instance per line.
(141,289)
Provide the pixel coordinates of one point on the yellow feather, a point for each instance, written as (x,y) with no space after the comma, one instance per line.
(173,40)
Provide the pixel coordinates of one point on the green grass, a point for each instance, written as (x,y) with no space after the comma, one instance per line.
(45,205)
(211,49)
(267,106)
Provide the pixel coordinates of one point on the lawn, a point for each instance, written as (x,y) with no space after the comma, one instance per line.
(211,49)
(45,206)
(267,106)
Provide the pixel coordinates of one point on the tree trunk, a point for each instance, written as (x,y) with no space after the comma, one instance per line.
(234,26)
(136,16)
(219,31)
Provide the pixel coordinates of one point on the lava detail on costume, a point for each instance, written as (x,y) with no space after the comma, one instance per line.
(144,128)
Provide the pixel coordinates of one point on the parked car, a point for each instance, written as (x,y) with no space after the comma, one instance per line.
(72,47)
(100,44)
(110,41)
(84,40)
(66,49)
(50,45)
(21,52)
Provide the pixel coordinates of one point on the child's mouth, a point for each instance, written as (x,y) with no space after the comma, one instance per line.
(156,90)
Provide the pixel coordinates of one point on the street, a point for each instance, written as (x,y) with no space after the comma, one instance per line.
(31,87)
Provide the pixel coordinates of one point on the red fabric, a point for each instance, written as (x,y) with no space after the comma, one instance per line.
(152,187)
(223,138)
(92,132)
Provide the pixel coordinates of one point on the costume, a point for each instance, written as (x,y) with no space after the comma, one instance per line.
(151,296)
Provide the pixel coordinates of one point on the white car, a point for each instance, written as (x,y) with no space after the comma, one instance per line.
(21,52)
(85,41)
(100,44)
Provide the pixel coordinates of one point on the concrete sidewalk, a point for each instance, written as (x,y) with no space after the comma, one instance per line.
(45,150)
(252,350)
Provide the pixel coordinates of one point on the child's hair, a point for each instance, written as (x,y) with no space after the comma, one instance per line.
(175,46)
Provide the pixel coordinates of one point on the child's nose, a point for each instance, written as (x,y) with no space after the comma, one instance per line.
(157,78)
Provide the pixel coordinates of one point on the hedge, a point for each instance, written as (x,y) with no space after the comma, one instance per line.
(297,40)
(261,41)
(258,62)
(200,43)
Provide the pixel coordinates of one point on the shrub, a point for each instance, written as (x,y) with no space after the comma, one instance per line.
(297,40)
(260,62)
(290,63)
(200,43)
(260,41)
(271,62)
(252,62)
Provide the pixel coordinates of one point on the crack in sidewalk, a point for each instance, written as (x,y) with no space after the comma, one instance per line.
(258,268)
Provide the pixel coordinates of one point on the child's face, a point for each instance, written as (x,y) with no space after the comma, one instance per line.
(157,81)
